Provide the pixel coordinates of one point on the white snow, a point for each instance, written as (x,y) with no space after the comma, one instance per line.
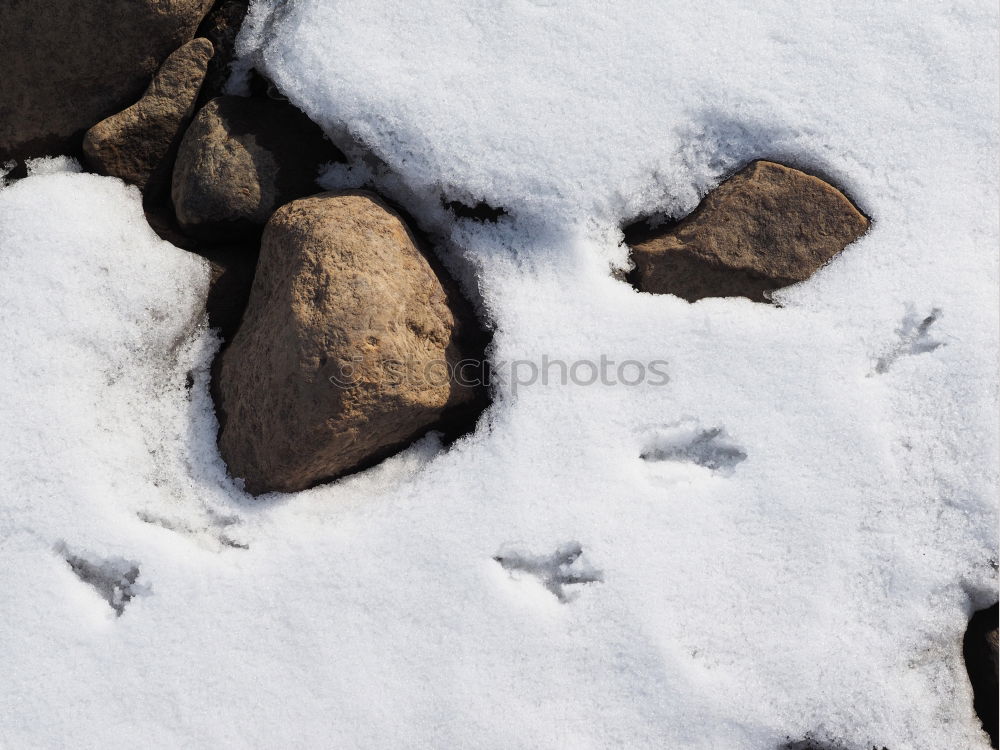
(52,165)
(784,540)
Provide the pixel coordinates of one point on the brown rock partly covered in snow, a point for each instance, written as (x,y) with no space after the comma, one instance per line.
(67,64)
(766,227)
(242,158)
(346,350)
(138,142)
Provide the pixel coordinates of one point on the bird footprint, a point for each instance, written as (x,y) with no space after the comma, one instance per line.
(915,337)
(687,442)
(114,578)
(564,567)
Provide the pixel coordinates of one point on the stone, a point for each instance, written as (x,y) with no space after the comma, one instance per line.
(348,349)
(68,64)
(138,142)
(242,158)
(764,228)
(220,27)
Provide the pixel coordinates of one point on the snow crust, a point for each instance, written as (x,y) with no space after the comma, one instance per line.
(785,540)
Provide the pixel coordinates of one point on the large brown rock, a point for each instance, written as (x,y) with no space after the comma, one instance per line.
(766,227)
(242,158)
(346,350)
(137,143)
(67,64)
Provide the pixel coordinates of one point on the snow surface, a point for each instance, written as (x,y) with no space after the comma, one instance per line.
(783,541)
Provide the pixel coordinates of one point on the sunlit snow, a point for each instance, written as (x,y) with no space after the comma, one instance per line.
(782,539)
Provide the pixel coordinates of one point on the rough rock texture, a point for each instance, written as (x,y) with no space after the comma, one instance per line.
(221,27)
(342,291)
(239,160)
(766,227)
(67,64)
(138,142)
(980,652)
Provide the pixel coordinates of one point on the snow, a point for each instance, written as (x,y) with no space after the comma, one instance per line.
(783,540)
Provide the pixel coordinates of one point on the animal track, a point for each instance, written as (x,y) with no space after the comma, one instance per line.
(687,442)
(564,567)
(113,578)
(914,338)
(212,534)
(809,743)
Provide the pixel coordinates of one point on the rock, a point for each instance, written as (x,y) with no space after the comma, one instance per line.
(980,652)
(766,227)
(344,352)
(138,141)
(221,27)
(242,158)
(68,64)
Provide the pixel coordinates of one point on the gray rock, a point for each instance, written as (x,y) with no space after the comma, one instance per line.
(241,159)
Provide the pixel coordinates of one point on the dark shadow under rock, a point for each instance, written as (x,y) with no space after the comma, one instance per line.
(481,211)
(221,27)
(233,270)
(980,651)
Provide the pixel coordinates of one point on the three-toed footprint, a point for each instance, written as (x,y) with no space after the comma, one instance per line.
(555,571)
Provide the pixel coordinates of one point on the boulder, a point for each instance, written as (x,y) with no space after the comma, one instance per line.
(348,348)
(766,227)
(68,64)
(242,158)
(138,142)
